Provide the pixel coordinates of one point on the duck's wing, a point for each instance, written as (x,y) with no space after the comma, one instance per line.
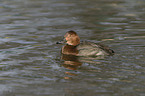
(104,47)
(86,49)
(84,45)
(95,47)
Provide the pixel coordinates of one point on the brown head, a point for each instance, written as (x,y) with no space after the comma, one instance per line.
(72,38)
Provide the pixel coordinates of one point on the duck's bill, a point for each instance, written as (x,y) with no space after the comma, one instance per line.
(61,42)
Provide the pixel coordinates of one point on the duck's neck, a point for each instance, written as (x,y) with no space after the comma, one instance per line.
(73,45)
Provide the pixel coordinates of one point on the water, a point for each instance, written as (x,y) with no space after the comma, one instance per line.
(31,63)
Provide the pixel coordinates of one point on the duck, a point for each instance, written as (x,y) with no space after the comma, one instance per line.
(73,46)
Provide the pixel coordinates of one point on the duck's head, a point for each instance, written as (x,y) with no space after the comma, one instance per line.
(70,38)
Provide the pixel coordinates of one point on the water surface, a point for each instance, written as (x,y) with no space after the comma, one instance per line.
(31,63)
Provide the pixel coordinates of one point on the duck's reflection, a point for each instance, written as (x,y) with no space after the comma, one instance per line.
(72,62)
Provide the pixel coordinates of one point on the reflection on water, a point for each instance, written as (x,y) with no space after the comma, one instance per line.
(31,63)
(72,62)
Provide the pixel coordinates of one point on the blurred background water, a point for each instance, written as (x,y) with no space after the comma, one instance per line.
(31,63)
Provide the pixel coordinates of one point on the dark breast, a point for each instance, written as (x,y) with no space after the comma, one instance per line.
(69,50)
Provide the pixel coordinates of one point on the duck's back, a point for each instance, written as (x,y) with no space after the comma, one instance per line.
(93,49)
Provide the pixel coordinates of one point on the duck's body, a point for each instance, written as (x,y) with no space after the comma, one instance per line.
(77,48)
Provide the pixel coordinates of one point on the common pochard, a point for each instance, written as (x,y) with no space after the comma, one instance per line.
(75,47)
